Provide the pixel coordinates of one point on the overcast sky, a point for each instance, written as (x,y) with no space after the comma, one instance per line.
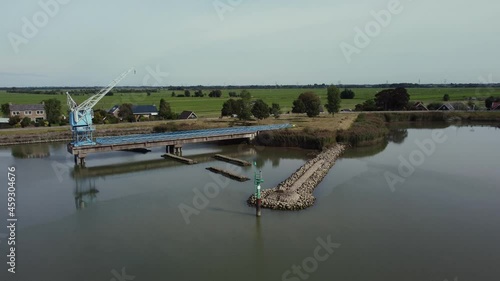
(242,42)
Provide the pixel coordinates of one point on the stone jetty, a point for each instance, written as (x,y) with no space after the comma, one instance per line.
(296,192)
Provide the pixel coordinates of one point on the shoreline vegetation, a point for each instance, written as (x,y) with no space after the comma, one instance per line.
(355,129)
(372,128)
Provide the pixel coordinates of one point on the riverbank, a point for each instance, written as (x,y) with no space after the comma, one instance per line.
(296,192)
(373,127)
(326,123)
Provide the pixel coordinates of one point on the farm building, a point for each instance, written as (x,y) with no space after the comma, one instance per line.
(185,115)
(144,111)
(36,112)
(446,107)
(114,110)
(420,106)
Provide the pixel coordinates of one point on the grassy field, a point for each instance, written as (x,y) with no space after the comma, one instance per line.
(210,107)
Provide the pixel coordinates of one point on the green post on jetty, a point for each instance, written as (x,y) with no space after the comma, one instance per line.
(257,181)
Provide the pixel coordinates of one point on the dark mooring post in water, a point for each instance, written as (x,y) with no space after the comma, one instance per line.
(257,181)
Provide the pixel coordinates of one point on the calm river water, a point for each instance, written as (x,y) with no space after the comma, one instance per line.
(119,219)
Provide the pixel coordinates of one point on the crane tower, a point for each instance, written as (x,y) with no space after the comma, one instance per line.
(80,116)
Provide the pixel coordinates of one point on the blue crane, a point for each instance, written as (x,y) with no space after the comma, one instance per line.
(80,117)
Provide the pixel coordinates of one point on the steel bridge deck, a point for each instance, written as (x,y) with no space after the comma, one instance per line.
(187,134)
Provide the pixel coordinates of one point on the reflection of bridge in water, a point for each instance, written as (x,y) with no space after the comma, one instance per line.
(173,141)
(114,169)
(86,179)
(85,192)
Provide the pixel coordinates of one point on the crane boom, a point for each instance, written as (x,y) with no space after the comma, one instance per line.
(71,102)
(93,100)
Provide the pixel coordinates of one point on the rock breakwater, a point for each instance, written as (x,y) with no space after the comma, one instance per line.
(296,192)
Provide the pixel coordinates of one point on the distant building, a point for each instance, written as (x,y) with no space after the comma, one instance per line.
(114,110)
(188,115)
(446,107)
(144,111)
(420,106)
(36,112)
(495,106)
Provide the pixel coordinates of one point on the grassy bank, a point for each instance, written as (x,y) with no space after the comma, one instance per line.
(325,123)
(368,129)
(310,133)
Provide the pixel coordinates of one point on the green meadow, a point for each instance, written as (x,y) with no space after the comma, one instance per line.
(210,107)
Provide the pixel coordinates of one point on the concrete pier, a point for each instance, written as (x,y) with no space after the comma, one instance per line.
(179,158)
(232,160)
(296,192)
(228,174)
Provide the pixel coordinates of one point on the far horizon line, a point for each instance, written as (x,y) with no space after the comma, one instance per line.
(264,86)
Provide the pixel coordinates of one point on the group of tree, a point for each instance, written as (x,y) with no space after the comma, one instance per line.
(16,121)
(392,99)
(215,94)
(334,100)
(368,105)
(244,109)
(241,107)
(261,110)
(165,112)
(387,100)
(347,94)
(102,116)
(126,113)
(187,93)
(53,111)
(5,109)
(308,103)
(275,110)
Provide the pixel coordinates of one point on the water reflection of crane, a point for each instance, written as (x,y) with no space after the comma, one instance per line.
(85,192)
